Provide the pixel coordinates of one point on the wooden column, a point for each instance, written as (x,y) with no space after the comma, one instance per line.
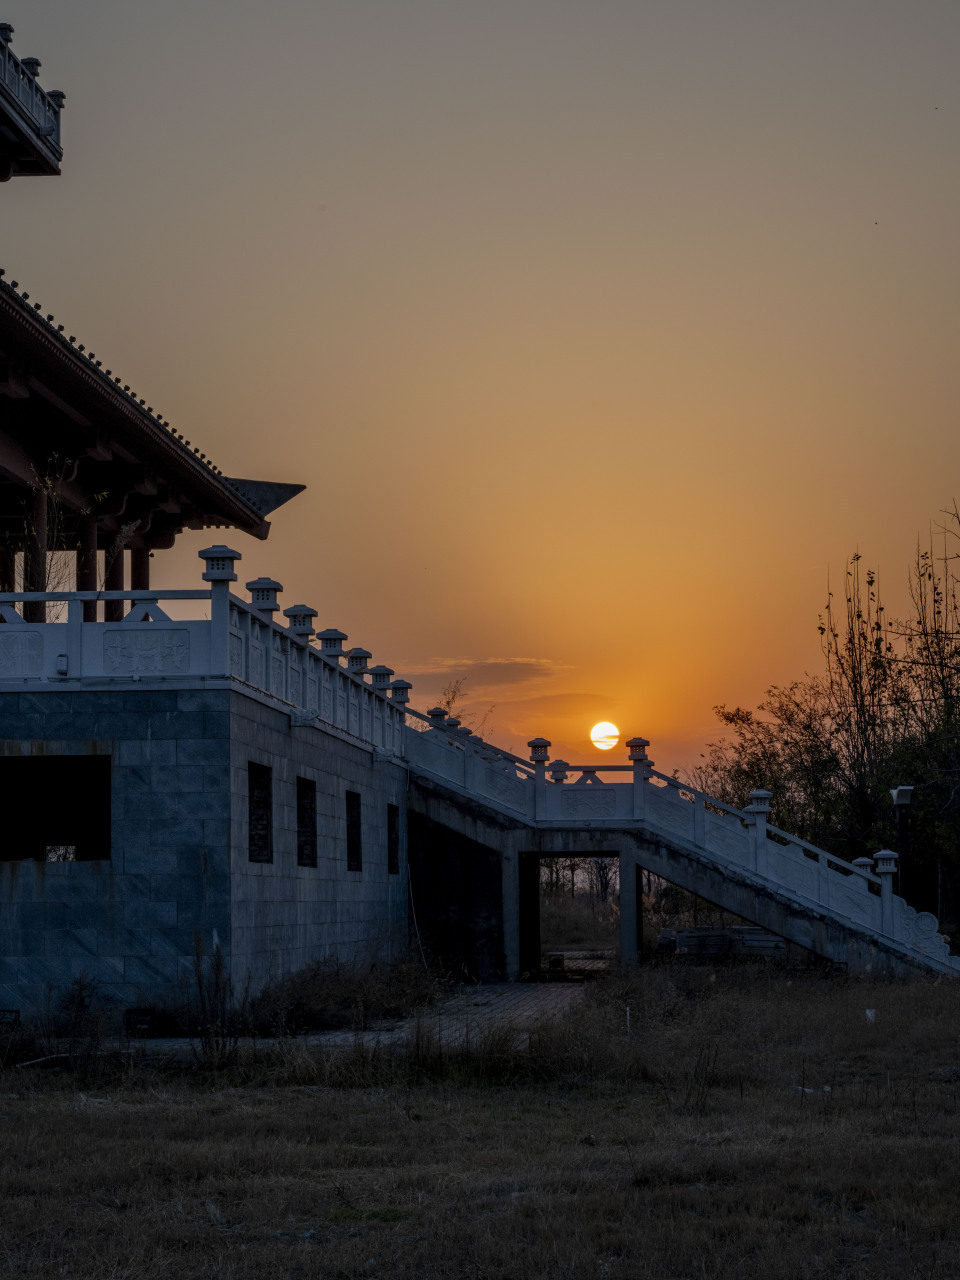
(8,569)
(35,555)
(113,581)
(87,564)
(139,569)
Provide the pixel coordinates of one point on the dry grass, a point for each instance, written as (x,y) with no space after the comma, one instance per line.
(578,924)
(326,996)
(691,1149)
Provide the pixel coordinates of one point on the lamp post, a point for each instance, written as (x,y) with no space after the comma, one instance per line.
(901,804)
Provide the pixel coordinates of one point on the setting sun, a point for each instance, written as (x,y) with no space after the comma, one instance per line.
(605,735)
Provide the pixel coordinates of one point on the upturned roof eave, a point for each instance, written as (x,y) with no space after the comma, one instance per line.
(64,364)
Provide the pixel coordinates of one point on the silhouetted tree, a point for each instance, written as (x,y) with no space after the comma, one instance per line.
(883,712)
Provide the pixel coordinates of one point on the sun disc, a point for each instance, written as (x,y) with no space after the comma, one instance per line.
(605,735)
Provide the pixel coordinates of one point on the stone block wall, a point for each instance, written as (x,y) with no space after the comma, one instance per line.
(126,923)
(178,863)
(286,915)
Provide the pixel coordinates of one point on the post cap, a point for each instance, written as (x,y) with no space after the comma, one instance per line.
(219,561)
(886,861)
(759,801)
(400,691)
(539,747)
(437,714)
(331,642)
(357,658)
(263,594)
(300,616)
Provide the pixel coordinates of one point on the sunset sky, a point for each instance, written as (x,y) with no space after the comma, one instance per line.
(599,332)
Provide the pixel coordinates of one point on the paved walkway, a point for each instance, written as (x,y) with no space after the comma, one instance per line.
(467,1012)
(470,1010)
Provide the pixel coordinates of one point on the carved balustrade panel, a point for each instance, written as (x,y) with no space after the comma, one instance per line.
(792,872)
(588,802)
(726,836)
(851,896)
(152,650)
(504,787)
(21,653)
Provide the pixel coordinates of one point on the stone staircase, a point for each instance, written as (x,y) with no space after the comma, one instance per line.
(846,912)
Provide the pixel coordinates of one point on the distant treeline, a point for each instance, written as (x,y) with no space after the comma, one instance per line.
(884,712)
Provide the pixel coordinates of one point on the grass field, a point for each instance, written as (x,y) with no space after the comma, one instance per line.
(754,1124)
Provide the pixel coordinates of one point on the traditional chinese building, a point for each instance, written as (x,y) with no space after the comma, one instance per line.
(206,764)
(166,779)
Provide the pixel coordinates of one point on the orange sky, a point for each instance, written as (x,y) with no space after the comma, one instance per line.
(598,332)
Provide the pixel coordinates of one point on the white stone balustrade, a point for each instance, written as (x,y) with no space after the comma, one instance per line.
(239,641)
(561,795)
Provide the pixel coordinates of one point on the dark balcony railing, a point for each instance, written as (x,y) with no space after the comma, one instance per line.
(34,109)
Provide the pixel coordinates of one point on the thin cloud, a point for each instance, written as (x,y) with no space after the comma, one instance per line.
(560,703)
(482,673)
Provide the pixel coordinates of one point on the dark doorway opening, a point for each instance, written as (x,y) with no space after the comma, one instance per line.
(569,909)
(456,897)
(56,808)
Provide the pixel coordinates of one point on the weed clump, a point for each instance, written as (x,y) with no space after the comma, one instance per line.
(329,996)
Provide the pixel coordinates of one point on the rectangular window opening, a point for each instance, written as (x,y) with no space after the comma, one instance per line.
(354,837)
(393,839)
(260,812)
(57,808)
(306,822)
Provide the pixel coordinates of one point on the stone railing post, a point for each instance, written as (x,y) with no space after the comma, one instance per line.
(301,626)
(759,811)
(886,861)
(539,755)
(74,645)
(641,764)
(219,561)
